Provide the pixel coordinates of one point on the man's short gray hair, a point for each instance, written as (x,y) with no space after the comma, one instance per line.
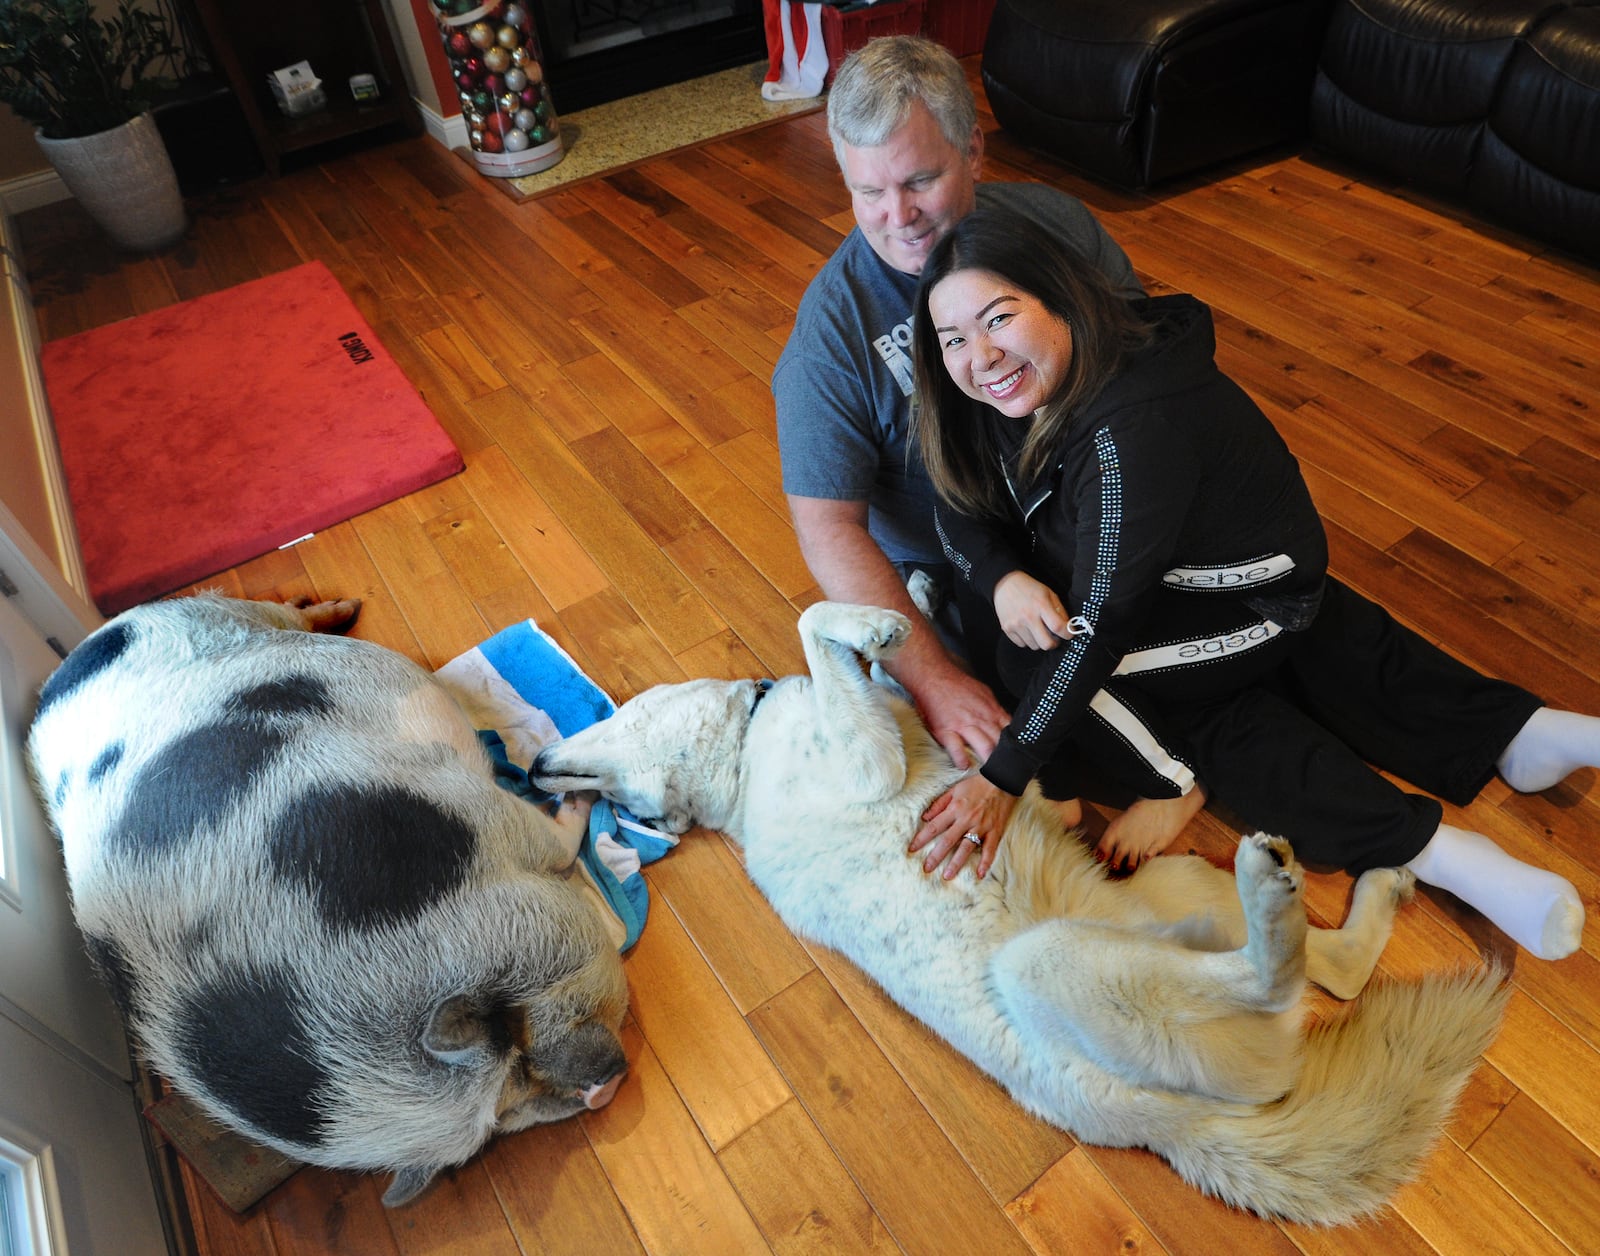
(874,88)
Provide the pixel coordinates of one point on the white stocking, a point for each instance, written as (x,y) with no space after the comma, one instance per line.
(799,70)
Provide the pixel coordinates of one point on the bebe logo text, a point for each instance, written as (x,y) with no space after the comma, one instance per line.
(1217,579)
(1221,645)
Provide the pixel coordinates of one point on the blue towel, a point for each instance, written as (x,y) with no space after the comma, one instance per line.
(522,691)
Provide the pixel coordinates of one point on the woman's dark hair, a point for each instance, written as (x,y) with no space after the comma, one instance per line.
(1105,329)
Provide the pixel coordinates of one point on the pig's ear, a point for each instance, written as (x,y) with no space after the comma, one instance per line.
(460,1029)
(408,1184)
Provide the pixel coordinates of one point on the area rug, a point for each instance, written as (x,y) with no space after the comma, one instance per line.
(623,132)
(202,435)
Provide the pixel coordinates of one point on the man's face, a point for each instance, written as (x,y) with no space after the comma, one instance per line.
(911,189)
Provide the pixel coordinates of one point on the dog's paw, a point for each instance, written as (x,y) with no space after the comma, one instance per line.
(924,592)
(1266,864)
(883,633)
(871,631)
(1391,886)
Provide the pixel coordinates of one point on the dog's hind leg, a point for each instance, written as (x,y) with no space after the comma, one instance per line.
(1341,960)
(1157,1013)
(1149,1011)
(852,713)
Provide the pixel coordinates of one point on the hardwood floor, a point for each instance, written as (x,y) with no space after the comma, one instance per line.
(601,356)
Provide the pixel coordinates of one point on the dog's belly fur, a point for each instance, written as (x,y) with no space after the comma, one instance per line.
(829,872)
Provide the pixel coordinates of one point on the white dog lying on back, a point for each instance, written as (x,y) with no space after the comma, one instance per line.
(1162,1011)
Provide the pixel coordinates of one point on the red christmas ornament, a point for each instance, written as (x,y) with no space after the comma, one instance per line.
(458,44)
(491,142)
(494,84)
(496,124)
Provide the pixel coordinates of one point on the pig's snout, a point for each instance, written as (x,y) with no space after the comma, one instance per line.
(600,1094)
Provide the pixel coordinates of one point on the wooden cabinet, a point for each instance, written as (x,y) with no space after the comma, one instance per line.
(340,38)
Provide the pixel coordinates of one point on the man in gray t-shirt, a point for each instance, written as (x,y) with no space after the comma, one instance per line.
(905,131)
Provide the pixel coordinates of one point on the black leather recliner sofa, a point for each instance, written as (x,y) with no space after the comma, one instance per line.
(1493,102)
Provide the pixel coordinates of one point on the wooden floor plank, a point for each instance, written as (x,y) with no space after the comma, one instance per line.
(677,1195)
(555,1195)
(813,1206)
(700,1038)
(877,1126)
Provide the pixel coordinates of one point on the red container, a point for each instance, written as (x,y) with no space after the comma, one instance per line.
(845,30)
(960,25)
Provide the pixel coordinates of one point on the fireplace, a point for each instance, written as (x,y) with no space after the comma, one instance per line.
(600,50)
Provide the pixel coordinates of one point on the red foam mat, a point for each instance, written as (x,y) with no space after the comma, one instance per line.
(202,435)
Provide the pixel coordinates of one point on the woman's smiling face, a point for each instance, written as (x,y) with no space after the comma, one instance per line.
(1000,344)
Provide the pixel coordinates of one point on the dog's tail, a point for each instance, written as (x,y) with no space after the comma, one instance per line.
(1377,1088)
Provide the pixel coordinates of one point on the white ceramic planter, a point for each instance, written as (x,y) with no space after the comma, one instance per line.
(125,181)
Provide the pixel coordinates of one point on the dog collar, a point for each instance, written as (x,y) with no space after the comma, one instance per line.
(763,688)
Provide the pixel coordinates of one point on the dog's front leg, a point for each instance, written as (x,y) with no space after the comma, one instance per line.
(853,720)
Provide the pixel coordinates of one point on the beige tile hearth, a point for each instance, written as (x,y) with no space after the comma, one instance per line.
(622,132)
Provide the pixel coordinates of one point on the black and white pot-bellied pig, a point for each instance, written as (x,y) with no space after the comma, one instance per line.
(320,917)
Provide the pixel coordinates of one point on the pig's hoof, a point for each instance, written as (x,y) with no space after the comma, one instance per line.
(332,616)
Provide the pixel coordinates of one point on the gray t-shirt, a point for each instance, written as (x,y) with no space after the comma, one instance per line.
(843,383)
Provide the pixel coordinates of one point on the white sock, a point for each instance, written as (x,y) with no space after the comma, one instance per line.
(1551,746)
(1534,907)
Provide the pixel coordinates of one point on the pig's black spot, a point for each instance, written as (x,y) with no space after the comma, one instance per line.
(193,782)
(370,856)
(91,658)
(114,970)
(105,761)
(297,695)
(246,1041)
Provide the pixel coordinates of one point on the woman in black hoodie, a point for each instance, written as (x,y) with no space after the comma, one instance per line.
(1144,582)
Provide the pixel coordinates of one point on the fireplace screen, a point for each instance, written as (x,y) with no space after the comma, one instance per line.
(580,27)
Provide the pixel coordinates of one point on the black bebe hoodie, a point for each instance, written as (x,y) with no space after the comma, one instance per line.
(1171,482)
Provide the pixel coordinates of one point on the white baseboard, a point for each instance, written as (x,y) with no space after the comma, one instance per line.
(451,131)
(31,190)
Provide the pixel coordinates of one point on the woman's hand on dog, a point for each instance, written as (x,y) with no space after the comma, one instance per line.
(973,806)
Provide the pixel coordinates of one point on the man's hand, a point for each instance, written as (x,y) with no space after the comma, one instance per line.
(1030,613)
(959,711)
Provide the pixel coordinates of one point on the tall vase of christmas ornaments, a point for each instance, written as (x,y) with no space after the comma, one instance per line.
(495,61)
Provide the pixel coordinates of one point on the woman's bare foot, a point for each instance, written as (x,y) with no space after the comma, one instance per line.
(1147,828)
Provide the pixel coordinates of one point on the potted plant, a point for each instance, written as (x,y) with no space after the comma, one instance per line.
(87,82)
